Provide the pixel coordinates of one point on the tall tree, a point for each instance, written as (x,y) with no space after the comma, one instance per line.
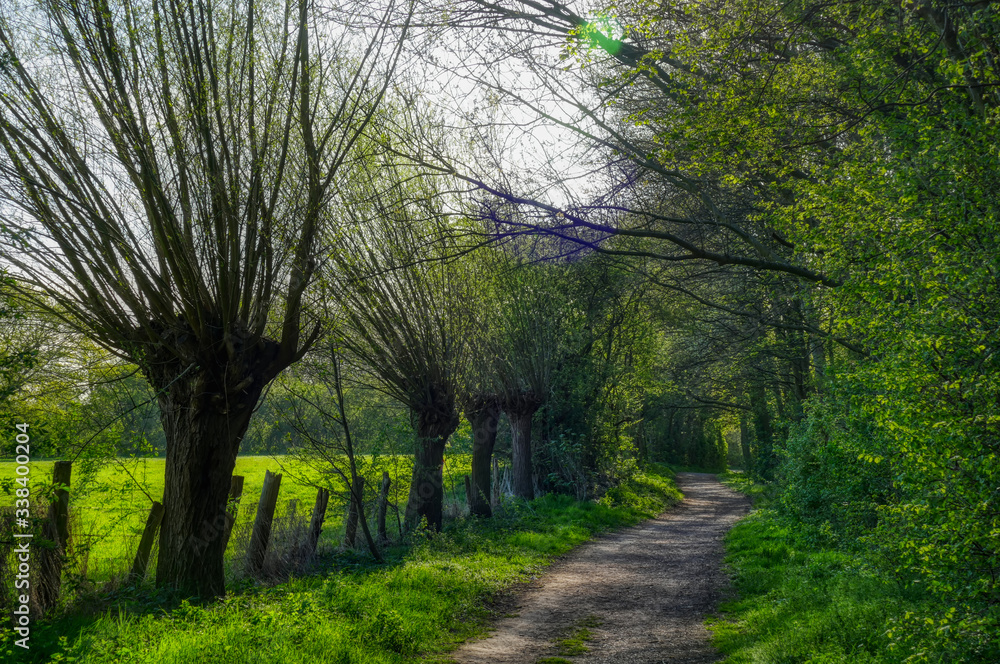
(479,386)
(164,167)
(397,306)
(530,327)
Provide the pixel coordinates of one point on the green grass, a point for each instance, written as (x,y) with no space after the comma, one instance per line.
(575,643)
(798,605)
(740,481)
(430,596)
(801,604)
(109,505)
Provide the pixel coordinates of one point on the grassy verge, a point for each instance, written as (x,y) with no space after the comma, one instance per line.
(801,604)
(434,593)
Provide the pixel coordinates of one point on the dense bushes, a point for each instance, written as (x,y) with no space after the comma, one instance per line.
(836,471)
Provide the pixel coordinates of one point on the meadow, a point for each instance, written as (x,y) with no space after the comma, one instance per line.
(109,503)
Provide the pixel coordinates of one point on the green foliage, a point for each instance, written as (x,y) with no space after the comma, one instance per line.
(590,423)
(864,137)
(18,354)
(644,491)
(802,603)
(837,470)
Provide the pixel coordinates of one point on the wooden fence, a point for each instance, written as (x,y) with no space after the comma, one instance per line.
(59,549)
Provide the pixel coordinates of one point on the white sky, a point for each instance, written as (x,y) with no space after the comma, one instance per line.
(545,159)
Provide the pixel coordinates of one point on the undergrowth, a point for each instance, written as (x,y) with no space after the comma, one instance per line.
(800,602)
(432,594)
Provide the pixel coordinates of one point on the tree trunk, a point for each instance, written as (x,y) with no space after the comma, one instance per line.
(484,416)
(355,511)
(495,473)
(520,425)
(745,446)
(426,499)
(203,428)
(208,380)
(316,522)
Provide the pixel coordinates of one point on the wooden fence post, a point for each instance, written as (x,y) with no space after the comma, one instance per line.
(262,523)
(316,523)
(355,511)
(138,572)
(233,508)
(383,502)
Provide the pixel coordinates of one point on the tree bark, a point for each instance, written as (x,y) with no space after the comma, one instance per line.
(495,472)
(201,456)
(383,503)
(316,522)
(207,390)
(355,511)
(426,498)
(483,414)
(745,446)
(520,411)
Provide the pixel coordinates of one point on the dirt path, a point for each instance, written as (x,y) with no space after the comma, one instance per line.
(647,588)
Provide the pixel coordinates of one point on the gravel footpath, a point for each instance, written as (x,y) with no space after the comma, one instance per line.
(648,588)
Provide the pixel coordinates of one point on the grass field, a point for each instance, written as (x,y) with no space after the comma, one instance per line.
(430,594)
(109,504)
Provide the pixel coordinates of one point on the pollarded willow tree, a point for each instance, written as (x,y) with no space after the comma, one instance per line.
(479,388)
(396,304)
(163,170)
(530,325)
(513,347)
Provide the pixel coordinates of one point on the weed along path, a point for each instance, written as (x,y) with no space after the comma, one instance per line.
(638,596)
